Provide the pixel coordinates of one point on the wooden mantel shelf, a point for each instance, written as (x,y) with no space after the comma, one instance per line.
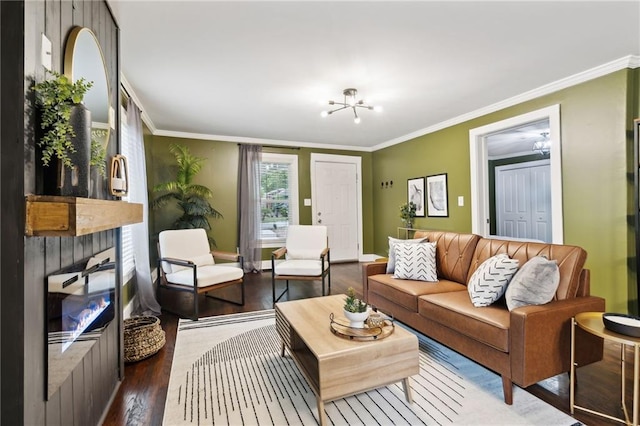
(53,216)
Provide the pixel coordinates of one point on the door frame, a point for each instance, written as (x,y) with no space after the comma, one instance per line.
(480,169)
(348,159)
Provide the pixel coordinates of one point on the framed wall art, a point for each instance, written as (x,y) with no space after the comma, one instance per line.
(415,194)
(437,196)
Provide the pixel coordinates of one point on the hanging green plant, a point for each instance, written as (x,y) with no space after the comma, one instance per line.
(55,97)
(191,198)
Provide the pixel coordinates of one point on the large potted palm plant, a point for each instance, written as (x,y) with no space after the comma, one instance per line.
(191,198)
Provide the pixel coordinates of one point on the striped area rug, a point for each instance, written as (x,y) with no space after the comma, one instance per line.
(228,370)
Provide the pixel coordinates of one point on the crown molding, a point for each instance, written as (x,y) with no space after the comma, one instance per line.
(631,61)
(132,94)
(258,141)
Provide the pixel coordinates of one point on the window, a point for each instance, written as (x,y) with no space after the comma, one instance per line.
(128,263)
(278,197)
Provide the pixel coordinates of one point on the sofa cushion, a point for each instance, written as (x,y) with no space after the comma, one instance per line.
(416,262)
(405,292)
(534,284)
(489,282)
(391,261)
(454,252)
(570,259)
(489,325)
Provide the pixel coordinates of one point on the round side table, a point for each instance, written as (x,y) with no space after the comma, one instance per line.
(592,323)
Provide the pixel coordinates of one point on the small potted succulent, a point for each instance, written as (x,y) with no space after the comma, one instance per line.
(355,310)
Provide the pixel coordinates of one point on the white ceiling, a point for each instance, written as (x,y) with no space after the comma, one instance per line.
(263,71)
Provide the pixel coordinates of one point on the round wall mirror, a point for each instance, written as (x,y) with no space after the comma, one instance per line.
(83,58)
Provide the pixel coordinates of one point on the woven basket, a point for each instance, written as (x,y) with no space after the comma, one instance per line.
(143,337)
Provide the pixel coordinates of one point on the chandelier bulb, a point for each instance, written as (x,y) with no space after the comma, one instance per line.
(377,108)
(324,113)
(356,120)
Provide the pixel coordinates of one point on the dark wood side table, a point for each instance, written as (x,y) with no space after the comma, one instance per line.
(592,323)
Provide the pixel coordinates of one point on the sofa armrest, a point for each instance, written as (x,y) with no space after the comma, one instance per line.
(368,269)
(540,339)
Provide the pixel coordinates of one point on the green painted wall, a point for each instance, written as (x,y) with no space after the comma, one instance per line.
(597,142)
(595,117)
(220,175)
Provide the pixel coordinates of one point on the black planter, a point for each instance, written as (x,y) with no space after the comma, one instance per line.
(74,181)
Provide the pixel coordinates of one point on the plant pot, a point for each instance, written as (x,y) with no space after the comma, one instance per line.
(98,183)
(408,223)
(74,181)
(356,319)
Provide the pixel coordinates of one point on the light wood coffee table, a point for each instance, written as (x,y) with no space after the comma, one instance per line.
(336,367)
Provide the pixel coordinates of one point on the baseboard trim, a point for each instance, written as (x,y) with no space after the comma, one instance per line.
(369,257)
(128,310)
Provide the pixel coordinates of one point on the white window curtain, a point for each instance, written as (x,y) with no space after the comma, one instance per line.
(146,303)
(249,207)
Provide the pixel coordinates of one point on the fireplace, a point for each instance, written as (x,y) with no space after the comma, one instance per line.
(80,304)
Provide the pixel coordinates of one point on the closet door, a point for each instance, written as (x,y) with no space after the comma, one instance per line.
(523,201)
(513,201)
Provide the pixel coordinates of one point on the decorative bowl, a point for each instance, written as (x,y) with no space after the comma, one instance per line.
(628,325)
(356,319)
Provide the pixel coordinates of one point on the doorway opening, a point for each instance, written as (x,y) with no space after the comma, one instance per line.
(511,141)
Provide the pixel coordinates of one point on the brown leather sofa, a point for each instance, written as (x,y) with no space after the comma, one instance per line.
(524,346)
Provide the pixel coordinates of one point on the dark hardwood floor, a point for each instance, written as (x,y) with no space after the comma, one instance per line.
(141,397)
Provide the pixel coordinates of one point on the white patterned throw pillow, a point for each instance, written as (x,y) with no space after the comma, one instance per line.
(416,261)
(489,282)
(391,261)
(535,283)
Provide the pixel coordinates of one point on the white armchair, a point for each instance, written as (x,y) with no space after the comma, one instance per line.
(186,264)
(307,258)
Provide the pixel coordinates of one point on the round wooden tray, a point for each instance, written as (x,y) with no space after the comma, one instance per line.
(340,327)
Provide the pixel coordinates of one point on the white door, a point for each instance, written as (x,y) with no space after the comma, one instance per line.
(513,203)
(335,203)
(523,201)
(540,191)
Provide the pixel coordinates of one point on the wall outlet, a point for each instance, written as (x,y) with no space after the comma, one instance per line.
(307,202)
(460,201)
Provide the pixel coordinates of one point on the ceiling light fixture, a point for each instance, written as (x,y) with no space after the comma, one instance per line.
(350,102)
(543,146)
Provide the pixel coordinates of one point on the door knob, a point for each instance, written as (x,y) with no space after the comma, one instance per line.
(319,220)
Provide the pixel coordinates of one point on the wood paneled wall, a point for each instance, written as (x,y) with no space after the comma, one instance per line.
(84,397)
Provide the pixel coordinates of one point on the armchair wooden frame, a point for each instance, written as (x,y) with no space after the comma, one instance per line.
(195,290)
(325,260)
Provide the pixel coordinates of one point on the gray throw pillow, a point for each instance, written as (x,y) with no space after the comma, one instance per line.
(535,283)
(489,282)
(391,262)
(416,262)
